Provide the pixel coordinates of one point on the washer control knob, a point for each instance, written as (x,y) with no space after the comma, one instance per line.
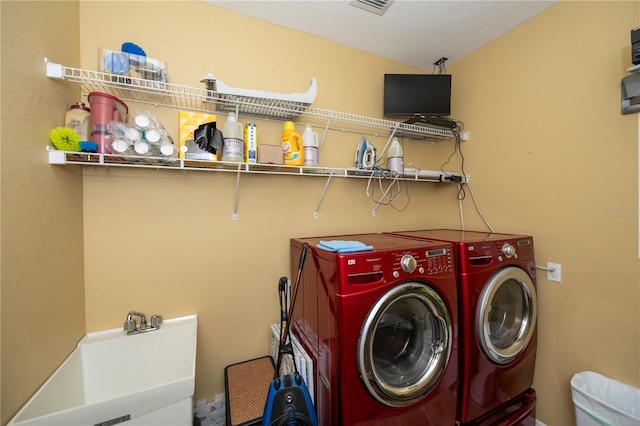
(508,250)
(408,263)
(396,274)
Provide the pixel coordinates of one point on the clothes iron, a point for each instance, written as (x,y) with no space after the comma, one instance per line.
(365,154)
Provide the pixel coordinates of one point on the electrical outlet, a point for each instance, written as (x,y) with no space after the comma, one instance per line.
(554,272)
(464,136)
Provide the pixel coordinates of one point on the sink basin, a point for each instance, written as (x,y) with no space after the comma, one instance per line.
(112,377)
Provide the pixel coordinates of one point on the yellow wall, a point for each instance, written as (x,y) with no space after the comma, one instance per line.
(552,156)
(165,242)
(549,155)
(42,231)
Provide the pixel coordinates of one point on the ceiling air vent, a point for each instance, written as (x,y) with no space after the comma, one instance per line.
(379,7)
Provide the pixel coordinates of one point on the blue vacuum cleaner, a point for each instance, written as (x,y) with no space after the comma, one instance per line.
(288,401)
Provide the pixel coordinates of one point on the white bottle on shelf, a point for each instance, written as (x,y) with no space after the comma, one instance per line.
(395,157)
(232,133)
(310,144)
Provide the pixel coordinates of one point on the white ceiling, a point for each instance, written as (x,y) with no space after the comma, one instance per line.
(413,32)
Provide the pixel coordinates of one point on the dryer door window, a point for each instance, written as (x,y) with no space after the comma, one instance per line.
(404,344)
(506,315)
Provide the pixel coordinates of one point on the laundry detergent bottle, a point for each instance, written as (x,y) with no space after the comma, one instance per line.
(233,136)
(310,144)
(395,157)
(292,149)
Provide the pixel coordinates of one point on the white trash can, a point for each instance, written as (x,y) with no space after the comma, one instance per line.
(599,400)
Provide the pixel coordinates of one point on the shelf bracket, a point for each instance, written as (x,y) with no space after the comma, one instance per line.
(235,204)
(324,191)
(326,129)
(54,70)
(393,132)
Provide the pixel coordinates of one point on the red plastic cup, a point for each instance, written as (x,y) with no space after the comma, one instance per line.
(104,108)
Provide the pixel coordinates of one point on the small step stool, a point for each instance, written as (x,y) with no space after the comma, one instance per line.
(247,385)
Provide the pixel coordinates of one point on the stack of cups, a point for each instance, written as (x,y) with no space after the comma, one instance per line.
(143,136)
(153,135)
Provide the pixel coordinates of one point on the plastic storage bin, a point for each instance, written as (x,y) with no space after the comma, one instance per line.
(599,400)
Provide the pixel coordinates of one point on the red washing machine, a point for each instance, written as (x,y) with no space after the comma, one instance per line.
(497,304)
(381,329)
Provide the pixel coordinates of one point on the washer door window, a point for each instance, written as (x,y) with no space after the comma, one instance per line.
(404,344)
(506,315)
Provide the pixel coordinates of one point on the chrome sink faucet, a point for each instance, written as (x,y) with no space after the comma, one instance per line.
(131,327)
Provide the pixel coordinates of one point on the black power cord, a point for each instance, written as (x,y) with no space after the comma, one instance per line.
(456,150)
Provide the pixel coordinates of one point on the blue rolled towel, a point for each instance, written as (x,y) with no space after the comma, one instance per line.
(343,246)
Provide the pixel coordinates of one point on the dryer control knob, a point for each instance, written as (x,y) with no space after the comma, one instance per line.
(508,250)
(408,263)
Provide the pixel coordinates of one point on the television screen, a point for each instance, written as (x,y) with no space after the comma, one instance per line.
(417,94)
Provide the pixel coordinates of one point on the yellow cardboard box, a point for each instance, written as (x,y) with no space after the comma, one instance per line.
(188,121)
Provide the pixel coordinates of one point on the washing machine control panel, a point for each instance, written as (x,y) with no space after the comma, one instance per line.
(439,260)
(521,250)
(408,263)
(485,253)
(424,262)
(508,250)
(525,248)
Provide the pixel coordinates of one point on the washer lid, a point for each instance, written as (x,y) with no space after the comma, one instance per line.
(506,315)
(460,236)
(379,242)
(405,344)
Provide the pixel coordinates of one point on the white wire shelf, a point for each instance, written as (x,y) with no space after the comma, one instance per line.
(132,161)
(211,101)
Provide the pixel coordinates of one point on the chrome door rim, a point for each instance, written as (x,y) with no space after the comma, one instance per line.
(505,355)
(399,396)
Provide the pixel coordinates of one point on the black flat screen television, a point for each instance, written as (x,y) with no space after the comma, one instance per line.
(417,94)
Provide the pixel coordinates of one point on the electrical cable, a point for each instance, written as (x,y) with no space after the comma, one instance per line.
(291,416)
(457,151)
(465,183)
(401,184)
(286,313)
(546,269)
(475,203)
(459,126)
(388,196)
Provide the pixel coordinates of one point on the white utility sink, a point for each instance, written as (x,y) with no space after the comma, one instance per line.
(112,377)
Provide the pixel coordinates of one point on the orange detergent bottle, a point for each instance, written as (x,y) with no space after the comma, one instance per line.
(291,143)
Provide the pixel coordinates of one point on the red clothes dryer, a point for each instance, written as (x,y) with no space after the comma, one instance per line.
(497,306)
(381,328)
